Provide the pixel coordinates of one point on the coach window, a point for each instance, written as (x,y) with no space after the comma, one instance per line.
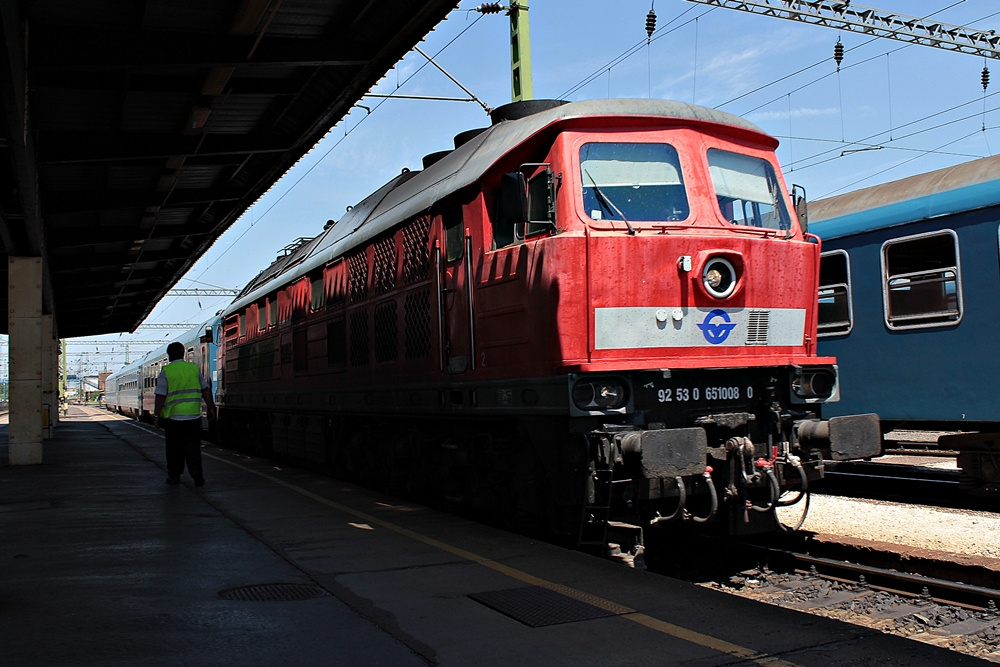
(836,315)
(272,310)
(922,285)
(747,190)
(633,182)
(454,234)
(243,323)
(262,315)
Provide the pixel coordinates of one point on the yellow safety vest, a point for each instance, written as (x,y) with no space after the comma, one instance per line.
(183,390)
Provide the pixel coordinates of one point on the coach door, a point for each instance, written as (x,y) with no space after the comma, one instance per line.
(205,362)
(454,265)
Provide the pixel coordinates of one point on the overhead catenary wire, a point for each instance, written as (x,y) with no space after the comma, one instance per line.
(911,123)
(818,63)
(664,32)
(895,166)
(798,164)
(632,50)
(299,180)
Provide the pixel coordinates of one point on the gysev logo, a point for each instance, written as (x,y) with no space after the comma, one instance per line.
(716,326)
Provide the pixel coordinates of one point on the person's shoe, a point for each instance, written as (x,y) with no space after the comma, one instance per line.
(173,480)
(199,481)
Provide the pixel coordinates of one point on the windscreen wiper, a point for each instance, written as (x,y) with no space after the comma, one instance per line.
(610,204)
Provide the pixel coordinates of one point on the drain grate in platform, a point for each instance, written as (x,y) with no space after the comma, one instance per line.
(273,593)
(538,607)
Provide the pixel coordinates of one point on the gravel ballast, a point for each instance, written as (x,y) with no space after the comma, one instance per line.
(954,531)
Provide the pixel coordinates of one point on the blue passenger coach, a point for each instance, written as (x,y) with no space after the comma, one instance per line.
(909,303)
(130,390)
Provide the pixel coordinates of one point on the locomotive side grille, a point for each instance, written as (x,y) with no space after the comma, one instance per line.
(384,268)
(359,338)
(757,327)
(416,253)
(231,333)
(386,334)
(359,276)
(417,323)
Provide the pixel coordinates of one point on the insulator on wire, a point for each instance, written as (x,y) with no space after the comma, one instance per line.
(650,25)
(489,8)
(838,53)
(985,78)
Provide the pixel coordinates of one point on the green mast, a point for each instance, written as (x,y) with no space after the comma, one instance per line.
(520,52)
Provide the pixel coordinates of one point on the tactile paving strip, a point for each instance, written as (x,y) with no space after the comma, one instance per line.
(273,593)
(538,607)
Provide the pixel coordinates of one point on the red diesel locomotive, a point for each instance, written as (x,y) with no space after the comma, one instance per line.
(589,317)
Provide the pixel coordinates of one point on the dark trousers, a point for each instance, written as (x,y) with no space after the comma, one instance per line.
(183,444)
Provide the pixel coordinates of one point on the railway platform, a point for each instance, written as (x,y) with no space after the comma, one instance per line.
(104,563)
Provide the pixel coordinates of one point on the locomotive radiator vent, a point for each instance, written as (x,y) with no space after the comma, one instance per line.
(386,333)
(757,327)
(538,607)
(273,593)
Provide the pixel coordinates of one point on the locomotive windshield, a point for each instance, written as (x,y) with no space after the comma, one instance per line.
(634,182)
(747,190)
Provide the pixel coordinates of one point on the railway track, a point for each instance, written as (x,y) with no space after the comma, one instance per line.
(919,484)
(932,601)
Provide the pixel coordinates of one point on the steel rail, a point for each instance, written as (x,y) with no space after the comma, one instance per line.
(920,586)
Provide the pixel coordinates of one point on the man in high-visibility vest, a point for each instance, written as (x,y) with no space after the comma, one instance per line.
(180,389)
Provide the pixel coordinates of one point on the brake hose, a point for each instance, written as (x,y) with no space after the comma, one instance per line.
(714,496)
(681,501)
(775,492)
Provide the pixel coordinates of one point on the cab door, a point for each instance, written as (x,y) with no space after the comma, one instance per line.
(455,314)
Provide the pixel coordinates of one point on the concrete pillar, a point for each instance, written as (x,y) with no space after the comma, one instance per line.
(50,394)
(24,324)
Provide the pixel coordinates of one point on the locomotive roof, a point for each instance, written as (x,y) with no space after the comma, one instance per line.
(412,193)
(964,187)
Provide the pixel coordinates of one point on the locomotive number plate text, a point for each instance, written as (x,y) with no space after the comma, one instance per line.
(684,394)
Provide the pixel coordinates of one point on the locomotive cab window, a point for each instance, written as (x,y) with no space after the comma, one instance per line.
(922,284)
(541,203)
(747,190)
(524,207)
(634,182)
(508,217)
(454,234)
(836,315)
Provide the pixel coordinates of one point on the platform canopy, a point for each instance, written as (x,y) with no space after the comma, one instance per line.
(134,133)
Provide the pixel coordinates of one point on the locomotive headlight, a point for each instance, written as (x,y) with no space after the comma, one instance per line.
(814,383)
(719,277)
(598,394)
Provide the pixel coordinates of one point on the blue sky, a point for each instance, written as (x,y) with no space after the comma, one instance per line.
(914,108)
